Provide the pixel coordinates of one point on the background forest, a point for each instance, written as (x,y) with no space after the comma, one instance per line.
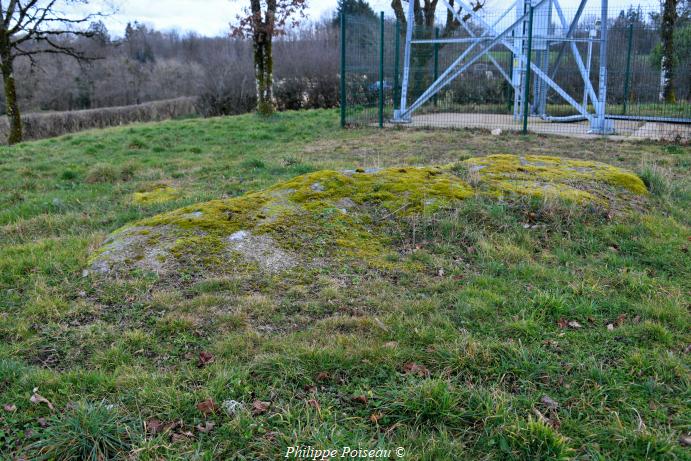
(149,65)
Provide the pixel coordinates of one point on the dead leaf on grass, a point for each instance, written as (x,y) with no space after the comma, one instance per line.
(415,369)
(314,404)
(10,407)
(271,436)
(205,358)
(207,407)
(540,416)
(207,427)
(564,323)
(259,407)
(360,399)
(552,422)
(153,426)
(38,398)
(375,417)
(549,402)
(620,320)
(181,436)
(380,324)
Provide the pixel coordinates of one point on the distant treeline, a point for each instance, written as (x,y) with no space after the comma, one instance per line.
(148,65)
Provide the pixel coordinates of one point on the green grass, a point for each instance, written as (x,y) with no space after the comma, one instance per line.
(87,431)
(480,312)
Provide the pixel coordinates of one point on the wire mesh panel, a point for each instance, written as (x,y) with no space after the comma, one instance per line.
(528,68)
(480,95)
(366,55)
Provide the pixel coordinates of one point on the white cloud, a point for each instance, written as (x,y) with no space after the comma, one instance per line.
(212,17)
(206,17)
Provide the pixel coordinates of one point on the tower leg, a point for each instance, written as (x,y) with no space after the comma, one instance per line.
(406,63)
(600,124)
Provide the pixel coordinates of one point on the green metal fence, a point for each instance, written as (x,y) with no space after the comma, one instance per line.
(481,97)
(371,57)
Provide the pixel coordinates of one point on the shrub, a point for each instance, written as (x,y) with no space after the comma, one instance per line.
(253,164)
(89,432)
(104,173)
(46,125)
(291,93)
(10,372)
(656,179)
(69,175)
(101,173)
(430,402)
(128,170)
(534,440)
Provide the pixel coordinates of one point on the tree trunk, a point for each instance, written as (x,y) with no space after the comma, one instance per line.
(263,61)
(12,108)
(668,64)
(263,64)
(420,63)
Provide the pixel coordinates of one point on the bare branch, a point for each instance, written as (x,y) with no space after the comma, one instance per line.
(41,22)
(29,28)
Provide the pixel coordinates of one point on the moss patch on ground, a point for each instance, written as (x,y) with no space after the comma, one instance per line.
(158,193)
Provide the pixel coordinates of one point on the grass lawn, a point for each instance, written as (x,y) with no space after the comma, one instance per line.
(564,339)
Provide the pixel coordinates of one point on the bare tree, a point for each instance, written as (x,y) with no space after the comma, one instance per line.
(263,20)
(29,28)
(425,13)
(668,64)
(424,18)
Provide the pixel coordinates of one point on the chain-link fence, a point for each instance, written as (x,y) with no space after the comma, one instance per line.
(471,72)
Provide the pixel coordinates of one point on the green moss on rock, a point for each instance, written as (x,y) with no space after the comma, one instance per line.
(580,181)
(407,190)
(328,217)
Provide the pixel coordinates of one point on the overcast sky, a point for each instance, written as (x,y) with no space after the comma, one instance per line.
(211,17)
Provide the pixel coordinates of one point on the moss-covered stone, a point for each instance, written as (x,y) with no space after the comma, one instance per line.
(580,181)
(330,216)
(158,193)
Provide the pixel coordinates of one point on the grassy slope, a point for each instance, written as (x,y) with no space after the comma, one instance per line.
(486,327)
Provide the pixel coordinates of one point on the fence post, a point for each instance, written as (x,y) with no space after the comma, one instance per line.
(436,61)
(526,93)
(510,88)
(396,64)
(343,70)
(381,69)
(628,68)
